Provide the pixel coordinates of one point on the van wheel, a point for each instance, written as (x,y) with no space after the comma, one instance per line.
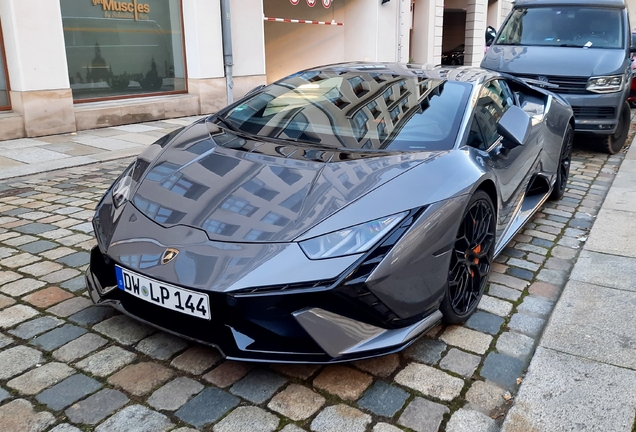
(612,144)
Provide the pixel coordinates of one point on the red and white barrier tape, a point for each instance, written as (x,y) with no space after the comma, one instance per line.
(297,21)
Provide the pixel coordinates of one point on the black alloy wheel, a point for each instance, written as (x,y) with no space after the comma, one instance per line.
(565,161)
(614,143)
(471,260)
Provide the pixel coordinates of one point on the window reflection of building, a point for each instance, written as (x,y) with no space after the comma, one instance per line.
(180,185)
(158,212)
(218,227)
(239,206)
(234,210)
(260,198)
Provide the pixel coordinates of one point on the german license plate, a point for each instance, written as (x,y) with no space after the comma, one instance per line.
(165,295)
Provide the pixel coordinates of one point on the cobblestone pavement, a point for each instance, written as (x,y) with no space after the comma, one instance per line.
(66,365)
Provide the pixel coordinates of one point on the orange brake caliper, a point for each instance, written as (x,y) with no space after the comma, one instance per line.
(476,260)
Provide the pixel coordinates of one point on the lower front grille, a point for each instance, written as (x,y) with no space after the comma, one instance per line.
(591,112)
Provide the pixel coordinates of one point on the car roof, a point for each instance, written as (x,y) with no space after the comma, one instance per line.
(466,74)
(598,3)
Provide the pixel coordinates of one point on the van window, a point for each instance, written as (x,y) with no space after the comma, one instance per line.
(565,26)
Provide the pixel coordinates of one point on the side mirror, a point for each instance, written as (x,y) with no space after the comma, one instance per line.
(514,127)
(491,33)
(254,90)
(632,49)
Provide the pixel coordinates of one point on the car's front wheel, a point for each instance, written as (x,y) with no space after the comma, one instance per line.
(563,170)
(614,143)
(471,259)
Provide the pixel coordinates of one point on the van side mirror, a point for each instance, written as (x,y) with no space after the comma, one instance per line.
(514,127)
(491,33)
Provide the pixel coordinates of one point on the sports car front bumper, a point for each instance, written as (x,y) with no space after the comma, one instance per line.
(274,327)
(269,302)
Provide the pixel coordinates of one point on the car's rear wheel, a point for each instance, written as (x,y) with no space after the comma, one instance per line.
(471,259)
(563,170)
(614,143)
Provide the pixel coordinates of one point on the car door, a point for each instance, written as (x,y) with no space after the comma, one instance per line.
(513,168)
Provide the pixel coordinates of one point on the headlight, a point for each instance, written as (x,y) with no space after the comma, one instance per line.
(123,185)
(605,84)
(352,240)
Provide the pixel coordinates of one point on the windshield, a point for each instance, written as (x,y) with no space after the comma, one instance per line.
(568,26)
(351,109)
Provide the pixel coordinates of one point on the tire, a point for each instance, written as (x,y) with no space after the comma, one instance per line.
(471,260)
(612,144)
(563,169)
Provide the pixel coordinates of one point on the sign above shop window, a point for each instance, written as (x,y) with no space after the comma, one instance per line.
(124,9)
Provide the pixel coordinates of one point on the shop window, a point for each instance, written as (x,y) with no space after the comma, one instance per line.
(117,49)
(5,103)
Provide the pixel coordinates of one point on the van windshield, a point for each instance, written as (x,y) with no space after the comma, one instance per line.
(565,26)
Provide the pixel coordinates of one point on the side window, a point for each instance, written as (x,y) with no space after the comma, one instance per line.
(506,93)
(475,137)
(494,100)
(499,93)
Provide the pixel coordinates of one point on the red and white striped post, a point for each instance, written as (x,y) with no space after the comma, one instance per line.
(300,21)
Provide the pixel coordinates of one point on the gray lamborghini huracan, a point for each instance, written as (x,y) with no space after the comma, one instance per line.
(335,214)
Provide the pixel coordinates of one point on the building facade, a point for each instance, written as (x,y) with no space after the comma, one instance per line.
(68,65)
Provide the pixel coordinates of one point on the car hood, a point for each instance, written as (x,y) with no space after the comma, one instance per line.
(559,61)
(242,190)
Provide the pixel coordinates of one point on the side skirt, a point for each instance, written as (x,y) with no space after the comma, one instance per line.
(529,206)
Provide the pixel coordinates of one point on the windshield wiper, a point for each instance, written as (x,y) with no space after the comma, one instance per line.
(225,123)
(566,45)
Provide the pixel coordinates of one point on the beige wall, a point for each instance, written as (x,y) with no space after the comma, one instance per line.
(36,65)
(34,44)
(202,31)
(290,47)
(248,42)
(494,17)
(476,13)
(360,17)
(369,34)
(631,5)
(455,4)
(385,34)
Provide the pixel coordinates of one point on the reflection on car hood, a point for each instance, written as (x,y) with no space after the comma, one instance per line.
(240,190)
(559,61)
